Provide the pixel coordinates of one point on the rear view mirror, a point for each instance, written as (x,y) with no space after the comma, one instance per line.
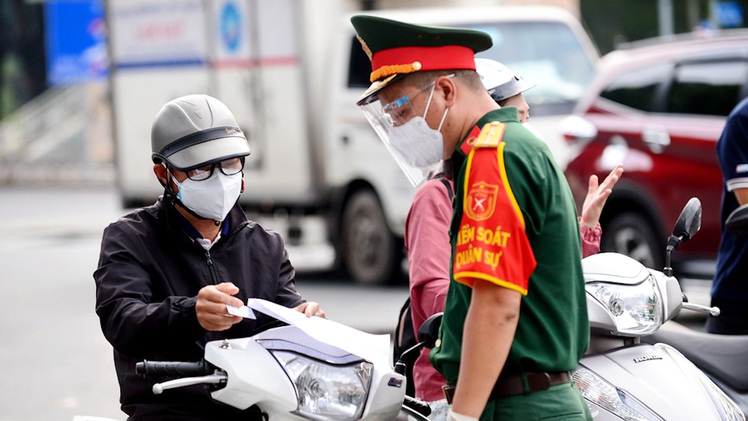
(429,331)
(689,221)
(687,225)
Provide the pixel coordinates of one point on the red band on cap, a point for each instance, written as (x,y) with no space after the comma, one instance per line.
(448,57)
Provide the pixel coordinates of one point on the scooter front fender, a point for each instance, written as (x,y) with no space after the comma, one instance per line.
(656,377)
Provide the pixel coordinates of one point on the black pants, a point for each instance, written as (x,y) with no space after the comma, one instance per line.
(732,320)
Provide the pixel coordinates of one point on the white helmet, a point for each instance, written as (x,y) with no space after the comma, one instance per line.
(195,130)
(500,82)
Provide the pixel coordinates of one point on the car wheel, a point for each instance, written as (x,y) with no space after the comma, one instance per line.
(370,253)
(632,235)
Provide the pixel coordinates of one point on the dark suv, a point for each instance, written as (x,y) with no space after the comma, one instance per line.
(658,108)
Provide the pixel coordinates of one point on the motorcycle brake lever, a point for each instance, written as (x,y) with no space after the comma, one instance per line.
(216,378)
(714,311)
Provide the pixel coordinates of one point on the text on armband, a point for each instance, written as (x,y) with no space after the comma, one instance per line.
(470,246)
(469,234)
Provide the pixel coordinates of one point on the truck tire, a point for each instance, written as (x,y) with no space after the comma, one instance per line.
(370,253)
(633,235)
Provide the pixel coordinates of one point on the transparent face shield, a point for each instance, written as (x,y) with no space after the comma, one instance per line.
(416,147)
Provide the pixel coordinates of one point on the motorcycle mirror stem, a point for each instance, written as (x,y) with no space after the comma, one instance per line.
(672,243)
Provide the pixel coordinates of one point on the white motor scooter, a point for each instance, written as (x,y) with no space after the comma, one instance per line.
(623,378)
(724,358)
(309,368)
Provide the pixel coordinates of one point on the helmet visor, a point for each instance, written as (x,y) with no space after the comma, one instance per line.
(514,86)
(204,147)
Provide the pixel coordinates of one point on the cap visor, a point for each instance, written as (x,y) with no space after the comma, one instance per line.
(377,86)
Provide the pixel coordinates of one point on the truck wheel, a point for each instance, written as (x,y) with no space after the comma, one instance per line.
(369,251)
(632,235)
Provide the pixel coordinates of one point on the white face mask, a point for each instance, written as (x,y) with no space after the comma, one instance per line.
(418,144)
(212,198)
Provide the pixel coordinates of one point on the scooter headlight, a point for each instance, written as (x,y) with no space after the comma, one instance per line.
(327,391)
(635,309)
(597,391)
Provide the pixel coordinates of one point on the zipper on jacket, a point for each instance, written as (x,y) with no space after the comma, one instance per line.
(211,268)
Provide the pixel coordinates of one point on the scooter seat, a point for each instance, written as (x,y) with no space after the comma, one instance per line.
(722,356)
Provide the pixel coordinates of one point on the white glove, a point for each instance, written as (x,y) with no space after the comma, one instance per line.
(453,416)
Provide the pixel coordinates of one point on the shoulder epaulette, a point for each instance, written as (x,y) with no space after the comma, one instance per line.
(491,135)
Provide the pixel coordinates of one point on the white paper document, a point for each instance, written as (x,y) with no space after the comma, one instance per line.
(366,345)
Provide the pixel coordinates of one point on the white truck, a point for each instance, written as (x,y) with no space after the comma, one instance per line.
(291,71)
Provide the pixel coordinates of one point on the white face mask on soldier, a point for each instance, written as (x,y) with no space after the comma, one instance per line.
(212,198)
(418,144)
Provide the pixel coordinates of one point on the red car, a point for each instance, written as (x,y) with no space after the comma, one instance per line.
(658,108)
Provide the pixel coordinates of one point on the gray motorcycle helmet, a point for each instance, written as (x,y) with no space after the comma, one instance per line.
(196,130)
(500,82)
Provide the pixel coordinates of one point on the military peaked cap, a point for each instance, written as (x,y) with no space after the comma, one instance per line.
(397,48)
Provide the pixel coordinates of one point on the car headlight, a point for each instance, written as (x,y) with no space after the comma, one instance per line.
(728,410)
(598,391)
(635,309)
(326,391)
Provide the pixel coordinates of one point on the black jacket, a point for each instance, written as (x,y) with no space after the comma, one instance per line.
(150,271)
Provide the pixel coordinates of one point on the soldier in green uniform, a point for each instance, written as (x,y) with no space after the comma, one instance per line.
(515,319)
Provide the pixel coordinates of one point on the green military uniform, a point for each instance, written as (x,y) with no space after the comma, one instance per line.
(514,225)
(553,328)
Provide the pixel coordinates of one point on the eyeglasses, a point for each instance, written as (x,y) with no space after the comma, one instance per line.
(401,110)
(231,166)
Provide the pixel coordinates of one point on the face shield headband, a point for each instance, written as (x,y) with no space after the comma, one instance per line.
(416,147)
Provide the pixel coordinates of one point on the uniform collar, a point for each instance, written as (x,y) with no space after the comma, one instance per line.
(504,115)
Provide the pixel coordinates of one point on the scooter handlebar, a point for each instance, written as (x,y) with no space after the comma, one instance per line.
(172,368)
(417,405)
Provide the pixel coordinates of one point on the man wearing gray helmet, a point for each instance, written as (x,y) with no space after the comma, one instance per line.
(167,271)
